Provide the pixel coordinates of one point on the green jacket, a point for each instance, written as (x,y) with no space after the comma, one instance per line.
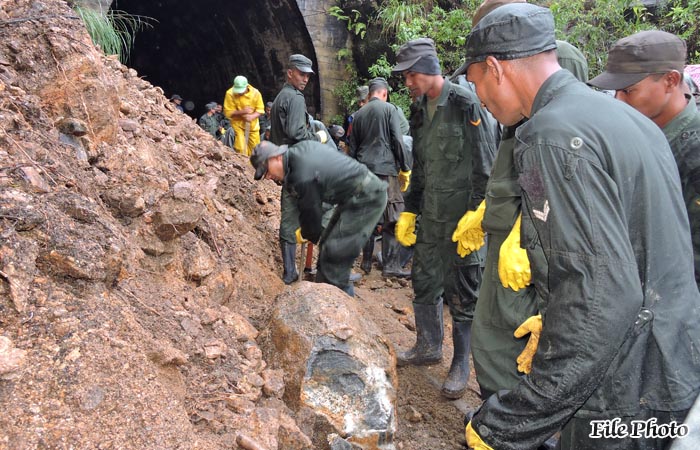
(209,124)
(452,155)
(288,118)
(601,200)
(376,140)
(683,134)
(313,175)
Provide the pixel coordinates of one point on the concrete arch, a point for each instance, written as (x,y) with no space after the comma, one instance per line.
(196,48)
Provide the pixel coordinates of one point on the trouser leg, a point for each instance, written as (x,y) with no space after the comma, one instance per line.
(289,222)
(347,231)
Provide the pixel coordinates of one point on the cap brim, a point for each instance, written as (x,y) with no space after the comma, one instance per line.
(616,81)
(260,172)
(402,66)
(239,91)
(304,69)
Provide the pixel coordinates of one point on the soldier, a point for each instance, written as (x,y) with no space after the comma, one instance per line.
(646,71)
(376,141)
(452,157)
(506,298)
(312,174)
(606,235)
(289,125)
(208,120)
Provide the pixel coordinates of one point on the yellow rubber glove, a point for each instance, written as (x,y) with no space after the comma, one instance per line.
(532,325)
(405,180)
(300,240)
(469,235)
(405,230)
(513,264)
(474,440)
(323,136)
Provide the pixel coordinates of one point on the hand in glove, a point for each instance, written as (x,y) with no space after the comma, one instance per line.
(532,325)
(469,235)
(513,264)
(405,180)
(405,230)
(300,239)
(474,440)
(322,136)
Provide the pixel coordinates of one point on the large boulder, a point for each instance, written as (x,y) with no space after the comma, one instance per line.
(340,371)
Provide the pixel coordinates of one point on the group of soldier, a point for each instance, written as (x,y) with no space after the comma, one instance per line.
(588,306)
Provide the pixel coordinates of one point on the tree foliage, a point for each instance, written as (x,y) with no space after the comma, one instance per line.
(591,25)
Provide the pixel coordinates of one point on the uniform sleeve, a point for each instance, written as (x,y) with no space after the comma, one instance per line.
(295,126)
(352,142)
(310,207)
(483,155)
(571,211)
(397,140)
(412,201)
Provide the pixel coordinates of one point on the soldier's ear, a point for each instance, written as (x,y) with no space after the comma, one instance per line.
(495,68)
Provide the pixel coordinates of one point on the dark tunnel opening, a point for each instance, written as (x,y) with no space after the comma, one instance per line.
(195,49)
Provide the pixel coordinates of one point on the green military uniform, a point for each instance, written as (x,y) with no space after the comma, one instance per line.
(683,134)
(315,175)
(288,119)
(209,124)
(501,310)
(453,154)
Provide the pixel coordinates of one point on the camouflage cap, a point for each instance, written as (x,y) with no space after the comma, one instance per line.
(412,51)
(511,31)
(635,57)
(261,153)
(301,62)
(378,83)
(362,92)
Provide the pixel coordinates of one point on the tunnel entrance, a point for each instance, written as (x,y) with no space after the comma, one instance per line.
(195,49)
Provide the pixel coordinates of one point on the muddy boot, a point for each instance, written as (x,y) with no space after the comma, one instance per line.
(429,331)
(367,250)
(289,252)
(391,254)
(455,384)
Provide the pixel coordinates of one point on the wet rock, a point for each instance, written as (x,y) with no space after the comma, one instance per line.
(126,200)
(220,284)
(17,261)
(198,260)
(34,178)
(174,218)
(242,329)
(11,359)
(215,349)
(274,383)
(346,386)
(72,126)
(165,355)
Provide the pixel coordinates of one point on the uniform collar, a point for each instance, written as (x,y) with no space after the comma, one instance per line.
(681,121)
(550,89)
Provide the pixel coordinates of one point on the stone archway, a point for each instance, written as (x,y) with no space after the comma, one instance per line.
(196,48)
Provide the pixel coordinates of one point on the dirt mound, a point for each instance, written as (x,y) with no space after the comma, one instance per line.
(138,260)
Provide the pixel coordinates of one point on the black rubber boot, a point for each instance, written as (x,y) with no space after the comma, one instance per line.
(289,252)
(429,332)
(367,250)
(391,257)
(455,384)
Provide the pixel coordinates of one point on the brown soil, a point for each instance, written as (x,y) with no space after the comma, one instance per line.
(120,339)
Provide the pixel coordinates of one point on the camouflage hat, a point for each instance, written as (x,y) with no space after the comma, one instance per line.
(210,106)
(511,31)
(635,57)
(301,62)
(489,5)
(261,153)
(378,83)
(362,92)
(175,97)
(412,51)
